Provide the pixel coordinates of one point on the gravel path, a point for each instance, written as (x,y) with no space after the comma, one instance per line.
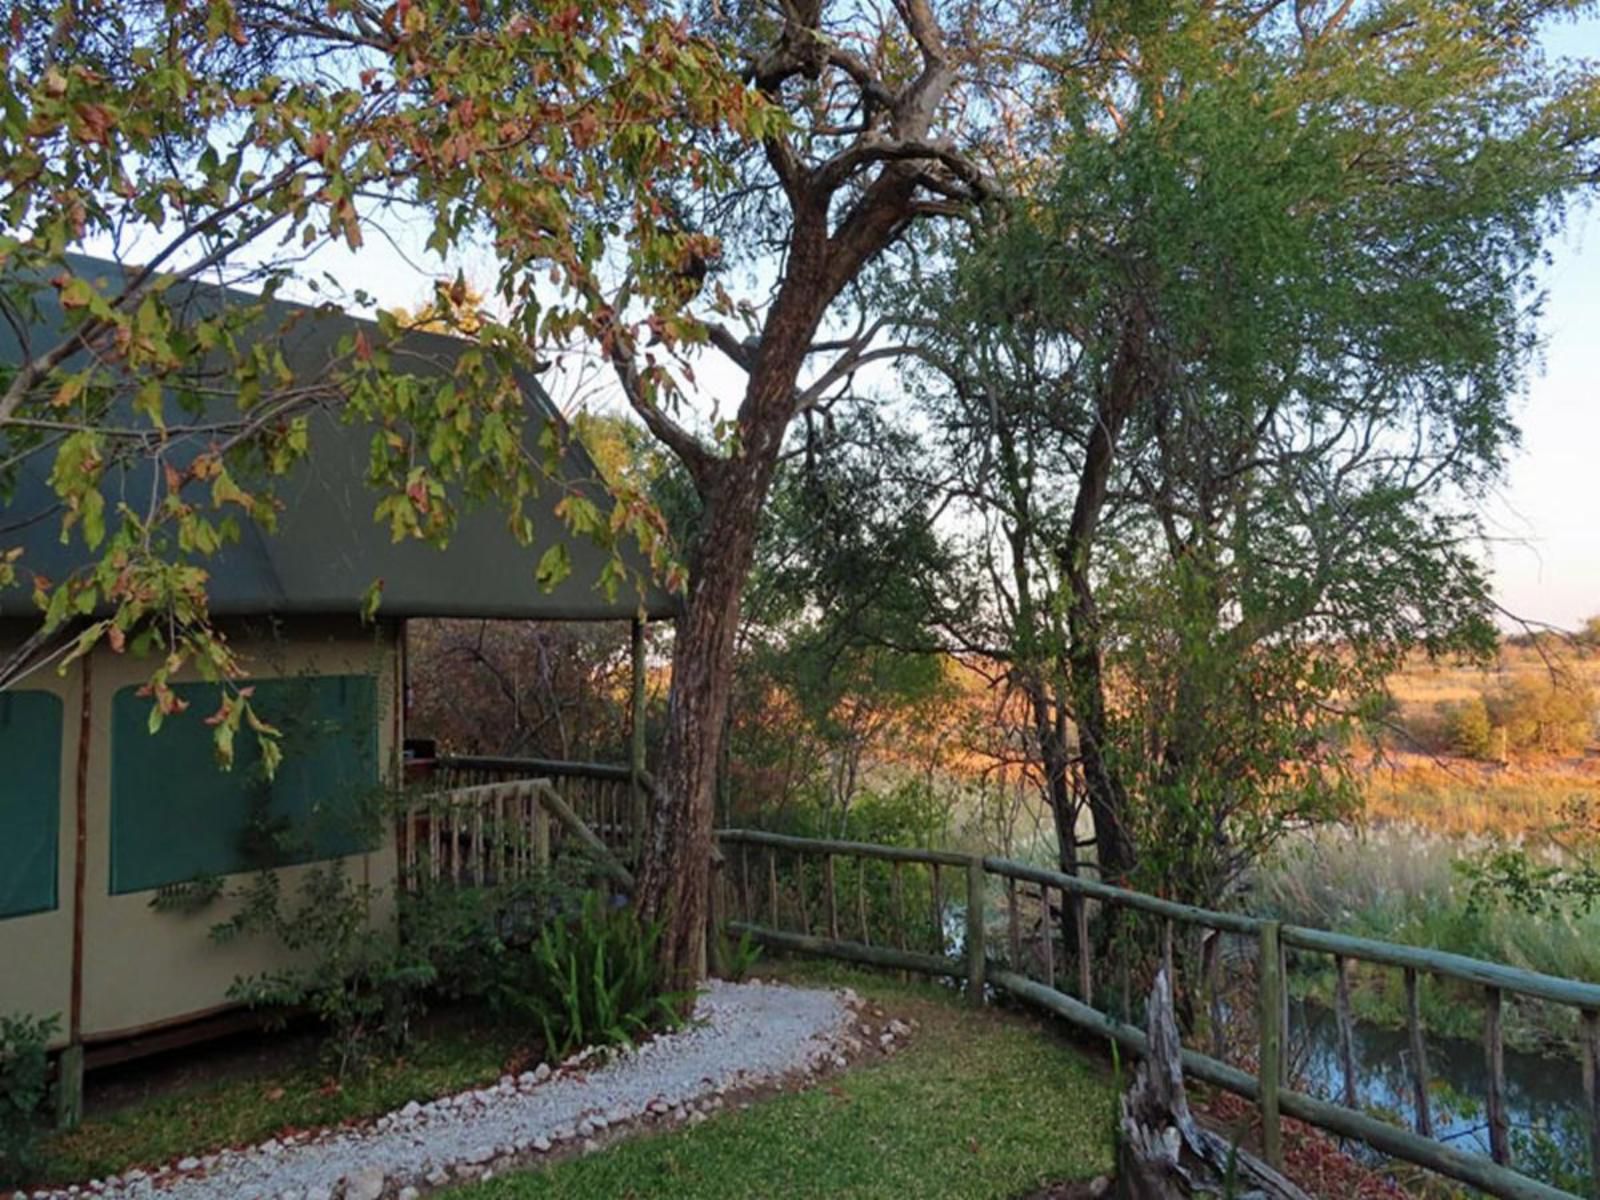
(745,1035)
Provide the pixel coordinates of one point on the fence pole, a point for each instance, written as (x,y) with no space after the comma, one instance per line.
(1591,1089)
(975,931)
(1419,1053)
(1271,1043)
(714,917)
(69,1087)
(1495,1060)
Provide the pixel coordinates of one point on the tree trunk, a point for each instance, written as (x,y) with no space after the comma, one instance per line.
(673,877)
(674,874)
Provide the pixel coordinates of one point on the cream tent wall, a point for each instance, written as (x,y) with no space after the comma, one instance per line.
(138,969)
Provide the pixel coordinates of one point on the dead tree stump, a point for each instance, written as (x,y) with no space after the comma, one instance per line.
(1162,1153)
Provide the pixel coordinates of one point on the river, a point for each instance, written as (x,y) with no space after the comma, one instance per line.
(1540,1090)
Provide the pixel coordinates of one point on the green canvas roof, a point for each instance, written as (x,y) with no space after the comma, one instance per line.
(328,549)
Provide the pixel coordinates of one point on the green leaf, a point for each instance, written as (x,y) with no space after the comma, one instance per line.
(555,564)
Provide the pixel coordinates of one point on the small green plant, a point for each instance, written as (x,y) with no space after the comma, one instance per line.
(592,979)
(737,958)
(24,1083)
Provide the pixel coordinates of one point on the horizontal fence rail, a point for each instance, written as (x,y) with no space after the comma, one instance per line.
(886,906)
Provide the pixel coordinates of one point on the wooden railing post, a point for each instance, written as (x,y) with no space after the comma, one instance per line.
(1085,962)
(1494,1053)
(1271,1053)
(69,1087)
(714,915)
(833,896)
(1590,1034)
(1347,1025)
(975,931)
(1013,927)
(1419,1053)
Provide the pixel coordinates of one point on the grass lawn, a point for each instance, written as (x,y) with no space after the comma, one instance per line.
(285,1089)
(981,1105)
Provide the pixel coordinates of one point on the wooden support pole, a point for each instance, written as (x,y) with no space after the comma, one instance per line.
(1271,1051)
(1347,1027)
(861,900)
(1419,1054)
(1494,1054)
(1211,972)
(1284,1029)
(830,886)
(772,889)
(1049,930)
(1013,927)
(714,917)
(975,921)
(641,814)
(69,1087)
(1085,962)
(1166,954)
(897,887)
(938,913)
(1590,1034)
(802,892)
(747,907)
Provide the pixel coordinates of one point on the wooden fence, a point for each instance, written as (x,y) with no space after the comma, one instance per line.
(609,798)
(890,908)
(493,833)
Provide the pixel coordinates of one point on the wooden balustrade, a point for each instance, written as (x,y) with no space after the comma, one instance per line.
(602,795)
(898,946)
(487,834)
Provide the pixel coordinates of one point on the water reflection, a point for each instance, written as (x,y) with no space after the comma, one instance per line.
(1540,1091)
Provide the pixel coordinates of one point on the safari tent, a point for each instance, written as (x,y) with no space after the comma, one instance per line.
(97,815)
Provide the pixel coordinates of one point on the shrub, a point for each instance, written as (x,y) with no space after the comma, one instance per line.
(353,973)
(590,979)
(1468,727)
(1543,713)
(24,1083)
(736,959)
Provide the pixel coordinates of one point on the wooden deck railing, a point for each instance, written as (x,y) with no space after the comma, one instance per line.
(609,798)
(785,892)
(498,832)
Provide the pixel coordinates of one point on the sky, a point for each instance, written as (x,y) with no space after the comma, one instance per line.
(1544,521)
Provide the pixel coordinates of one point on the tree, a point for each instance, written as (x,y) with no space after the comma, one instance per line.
(874,101)
(1219,387)
(223,144)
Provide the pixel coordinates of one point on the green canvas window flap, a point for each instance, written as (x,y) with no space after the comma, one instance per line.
(30,801)
(176,815)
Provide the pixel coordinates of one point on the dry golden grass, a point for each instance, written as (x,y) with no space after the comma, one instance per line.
(1462,798)
(1423,685)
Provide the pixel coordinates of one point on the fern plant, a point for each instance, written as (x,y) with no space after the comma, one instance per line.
(591,980)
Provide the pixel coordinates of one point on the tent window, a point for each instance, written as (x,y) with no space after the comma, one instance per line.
(177,816)
(30,801)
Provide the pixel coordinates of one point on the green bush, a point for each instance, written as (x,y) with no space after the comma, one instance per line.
(1553,714)
(24,1083)
(592,979)
(353,973)
(1468,727)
